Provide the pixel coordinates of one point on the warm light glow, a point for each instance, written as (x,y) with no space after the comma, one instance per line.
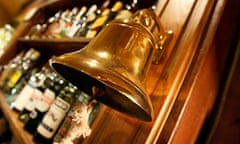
(92,63)
(103,54)
(1,52)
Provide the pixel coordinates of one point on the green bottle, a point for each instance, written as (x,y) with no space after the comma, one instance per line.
(8,68)
(80,98)
(56,113)
(50,89)
(21,70)
(26,100)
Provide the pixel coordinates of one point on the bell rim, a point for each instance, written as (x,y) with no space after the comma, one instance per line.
(146,108)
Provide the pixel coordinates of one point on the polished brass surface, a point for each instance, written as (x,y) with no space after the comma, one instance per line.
(114,65)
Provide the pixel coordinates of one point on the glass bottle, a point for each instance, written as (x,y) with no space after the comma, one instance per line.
(34,94)
(104,5)
(57,31)
(78,22)
(36,31)
(80,98)
(72,22)
(97,24)
(28,97)
(23,68)
(86,20)
(126,12)
(20,84)
(56,113)
(133,6)
(50,89)
(8,68)
(116,8)
(52,24)
(106,16)
(65,24)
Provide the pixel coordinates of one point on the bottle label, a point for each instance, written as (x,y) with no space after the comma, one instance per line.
(53,118)
(14,79)
(45,101)
(33,114)
(101,20)
(23,97)
(31,103)
(123,14)
(64,129)
(91,34)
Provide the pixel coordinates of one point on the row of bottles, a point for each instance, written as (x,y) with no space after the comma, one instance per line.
(45,101)
(7,30)
(51,120)
(81,21)
(18,70)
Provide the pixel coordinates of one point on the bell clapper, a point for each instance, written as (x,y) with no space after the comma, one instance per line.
(97,92)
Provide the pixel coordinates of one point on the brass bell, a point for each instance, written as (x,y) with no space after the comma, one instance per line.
(113,67)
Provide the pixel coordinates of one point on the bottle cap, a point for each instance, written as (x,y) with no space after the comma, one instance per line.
(117,6)
(81,12)
(74,11)
(36,54)
(105,12)
(91,15)
(123,14)
(91,10)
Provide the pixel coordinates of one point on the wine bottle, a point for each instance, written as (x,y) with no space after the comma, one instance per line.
(37,31)
(50,89)
(133,6)
(46,29)
(26,65)
(9,68)
(70,21)
(117,7)
(104,5)
(80,25)
(80,98)
(30,103)
(28,97)
(52,119)
(97,24)
(67,23)
(56,24)
(106,16)
(81,13)
(126,12)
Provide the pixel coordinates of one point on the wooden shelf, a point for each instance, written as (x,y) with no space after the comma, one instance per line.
(15,124)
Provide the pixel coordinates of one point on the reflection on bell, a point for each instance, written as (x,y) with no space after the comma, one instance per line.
(113,66)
